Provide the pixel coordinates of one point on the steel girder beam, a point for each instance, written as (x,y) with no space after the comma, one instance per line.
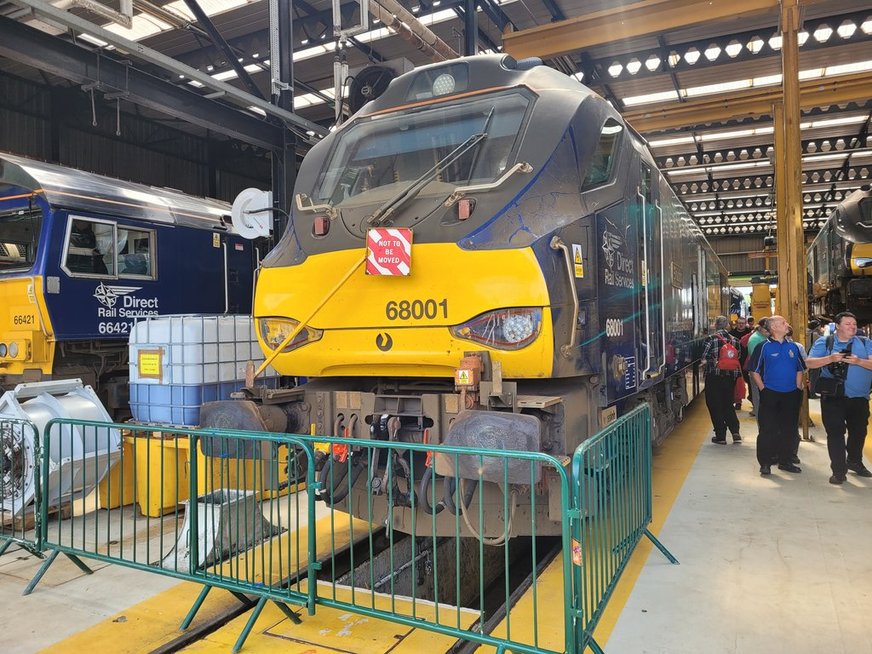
(813,181)
(30,46)
(743,38)
(638,19)
(219,42)
(142,53)
(661,160)
(748,104)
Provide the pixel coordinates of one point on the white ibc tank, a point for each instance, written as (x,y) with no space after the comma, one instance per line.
(79,455)
(194,349)
(179,362)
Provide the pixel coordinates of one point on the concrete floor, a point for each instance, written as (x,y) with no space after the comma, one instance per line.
(777,564)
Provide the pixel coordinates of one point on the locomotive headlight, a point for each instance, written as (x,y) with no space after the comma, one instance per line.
(444,84)
(13,349)
(503,329)
(3,350)
(274,331)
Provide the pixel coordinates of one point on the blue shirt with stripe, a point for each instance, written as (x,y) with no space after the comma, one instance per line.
(859,379)
(777,363)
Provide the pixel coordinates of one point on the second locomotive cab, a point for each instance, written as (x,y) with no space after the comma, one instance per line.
(83,256)
(840,260)
(485,249)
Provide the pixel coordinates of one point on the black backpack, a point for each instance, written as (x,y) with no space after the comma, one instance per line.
(815,373)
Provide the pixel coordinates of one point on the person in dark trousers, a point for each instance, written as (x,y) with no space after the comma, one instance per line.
(847,359)
(776,368)
(750,343)
(740,331)
(720,382)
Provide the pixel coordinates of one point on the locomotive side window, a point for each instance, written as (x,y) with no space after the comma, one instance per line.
(135,252)
(90,248)
(19,235)
(603,159)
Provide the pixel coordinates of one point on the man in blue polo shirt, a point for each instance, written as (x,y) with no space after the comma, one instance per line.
(776,368)
(847,359)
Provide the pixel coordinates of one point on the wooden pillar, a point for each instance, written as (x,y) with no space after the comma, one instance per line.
(793,303)
(792,285)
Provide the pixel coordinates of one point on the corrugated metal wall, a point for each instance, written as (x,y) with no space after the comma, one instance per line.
(734,251)
(25,131)
(55,124)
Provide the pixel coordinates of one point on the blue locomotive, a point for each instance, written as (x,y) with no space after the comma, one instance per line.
(485,251)
(83,256)
(840,260)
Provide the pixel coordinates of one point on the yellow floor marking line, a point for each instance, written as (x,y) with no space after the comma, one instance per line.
(331,630)
(149,624)
(672,463)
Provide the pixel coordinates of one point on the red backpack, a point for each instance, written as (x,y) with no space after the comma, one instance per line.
(728,356)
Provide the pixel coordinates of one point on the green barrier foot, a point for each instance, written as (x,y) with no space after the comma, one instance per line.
(194,608)
(5,547)
(39,573)
(249,625)
(293,617)
(594,647)
(80,564)
(660,547)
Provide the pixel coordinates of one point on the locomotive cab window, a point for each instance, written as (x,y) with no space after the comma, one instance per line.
(19,236)
(98,248)
(394,149)
(135,252)
(90,248)
(603,159)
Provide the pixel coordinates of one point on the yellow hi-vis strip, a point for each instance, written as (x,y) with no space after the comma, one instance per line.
(305,322)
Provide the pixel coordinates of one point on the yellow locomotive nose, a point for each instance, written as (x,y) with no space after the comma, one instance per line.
(452,301)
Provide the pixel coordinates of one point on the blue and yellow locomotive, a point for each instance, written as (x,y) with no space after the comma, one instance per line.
(553,278)
(840,260)
(83,256)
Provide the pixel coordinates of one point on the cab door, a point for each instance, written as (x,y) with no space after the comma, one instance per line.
(650,295)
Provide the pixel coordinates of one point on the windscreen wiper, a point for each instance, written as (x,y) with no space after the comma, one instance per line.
(385,211)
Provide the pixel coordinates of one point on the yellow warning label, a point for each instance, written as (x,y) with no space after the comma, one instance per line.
(577,259)
(150,363)
(216,240)
(463,378)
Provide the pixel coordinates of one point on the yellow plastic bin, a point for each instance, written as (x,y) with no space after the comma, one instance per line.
(116,489)
(162,473)
(214,473)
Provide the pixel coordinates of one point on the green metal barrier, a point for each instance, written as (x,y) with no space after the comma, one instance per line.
(612,492)
(226,521)
(266,515)
(20,487)
(252,531)
(450,580)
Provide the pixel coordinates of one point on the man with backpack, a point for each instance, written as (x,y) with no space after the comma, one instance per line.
(720,360)
(777,368)
(843,384)
(740,332)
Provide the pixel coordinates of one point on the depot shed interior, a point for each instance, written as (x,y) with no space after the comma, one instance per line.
(700,81)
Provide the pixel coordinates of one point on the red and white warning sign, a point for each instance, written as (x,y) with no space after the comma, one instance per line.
(389,251)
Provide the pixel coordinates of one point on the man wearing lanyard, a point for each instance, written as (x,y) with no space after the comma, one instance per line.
(776,368)
(845,358)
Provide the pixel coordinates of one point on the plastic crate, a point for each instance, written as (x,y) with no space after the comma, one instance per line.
(179,404)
